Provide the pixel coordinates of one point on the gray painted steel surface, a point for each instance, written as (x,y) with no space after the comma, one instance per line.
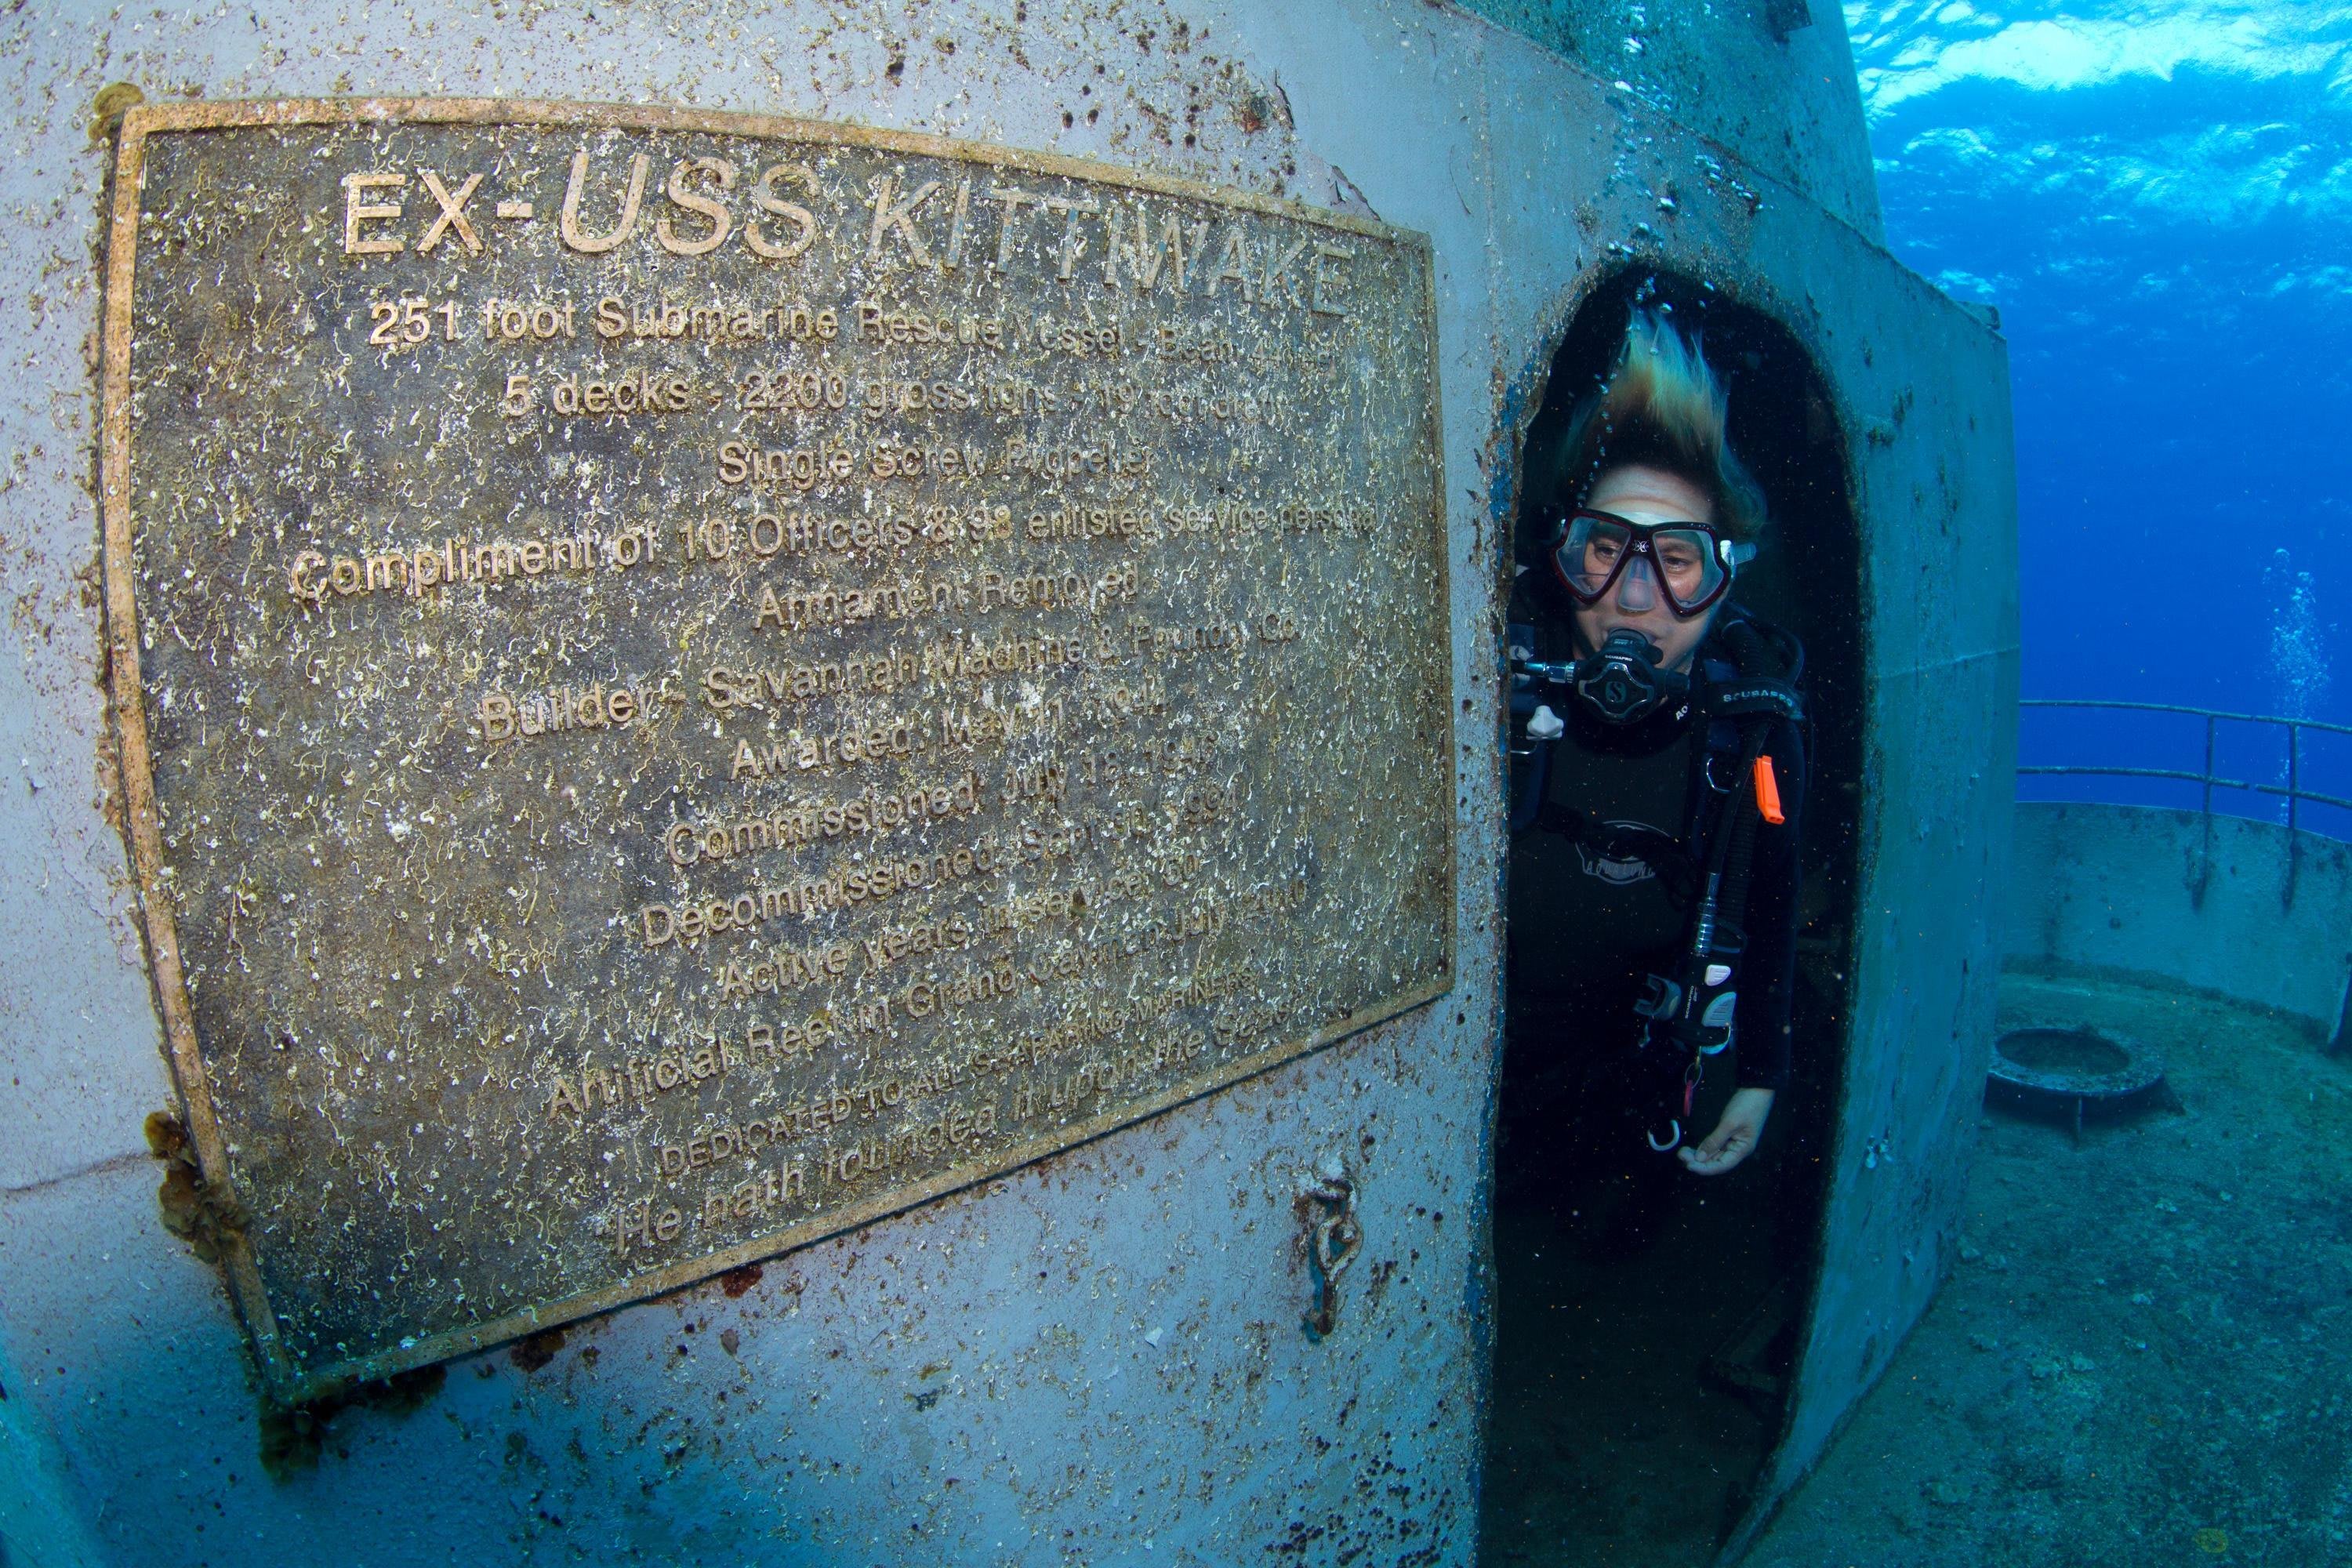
(1772,80)
(1101,1357)
(2139,891)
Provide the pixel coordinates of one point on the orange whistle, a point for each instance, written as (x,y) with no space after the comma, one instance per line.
(1768,792)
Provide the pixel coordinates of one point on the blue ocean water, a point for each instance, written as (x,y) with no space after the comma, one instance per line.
(2158,196)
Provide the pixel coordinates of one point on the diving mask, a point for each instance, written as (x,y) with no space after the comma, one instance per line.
(1687,563)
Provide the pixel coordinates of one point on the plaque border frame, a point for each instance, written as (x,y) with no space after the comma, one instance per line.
(284,1381)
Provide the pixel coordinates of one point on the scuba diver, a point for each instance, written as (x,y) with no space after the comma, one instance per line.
(1659,770)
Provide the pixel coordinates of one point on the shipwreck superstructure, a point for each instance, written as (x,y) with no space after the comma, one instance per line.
(1179,1250)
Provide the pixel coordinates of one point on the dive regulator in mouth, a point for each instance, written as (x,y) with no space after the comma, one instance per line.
(1622,682)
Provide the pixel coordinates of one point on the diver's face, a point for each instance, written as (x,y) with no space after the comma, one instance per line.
(1647,495)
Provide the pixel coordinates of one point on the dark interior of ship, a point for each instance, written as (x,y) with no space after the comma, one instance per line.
(1642,1348)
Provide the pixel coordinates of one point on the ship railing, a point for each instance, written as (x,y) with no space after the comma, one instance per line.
(2294,791)
(2291,791)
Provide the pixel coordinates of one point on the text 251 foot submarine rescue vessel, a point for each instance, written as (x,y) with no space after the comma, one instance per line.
(769,745)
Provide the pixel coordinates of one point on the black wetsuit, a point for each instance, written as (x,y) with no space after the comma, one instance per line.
(1601,890)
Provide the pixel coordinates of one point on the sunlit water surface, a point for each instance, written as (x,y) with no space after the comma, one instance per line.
(2158,196)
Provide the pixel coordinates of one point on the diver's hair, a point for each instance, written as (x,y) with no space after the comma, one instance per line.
(1662,407)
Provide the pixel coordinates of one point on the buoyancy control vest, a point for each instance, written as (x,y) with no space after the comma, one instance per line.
(1744,689)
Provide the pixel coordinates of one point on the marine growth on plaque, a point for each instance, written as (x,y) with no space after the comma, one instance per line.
(687,682)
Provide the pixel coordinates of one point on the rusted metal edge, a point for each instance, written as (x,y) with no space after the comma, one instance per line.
(143,823)
(1443,599)
(141,818)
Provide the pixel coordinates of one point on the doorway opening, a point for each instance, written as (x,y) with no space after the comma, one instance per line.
(1648,1319)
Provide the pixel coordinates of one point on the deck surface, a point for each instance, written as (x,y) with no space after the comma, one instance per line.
(2142,1356)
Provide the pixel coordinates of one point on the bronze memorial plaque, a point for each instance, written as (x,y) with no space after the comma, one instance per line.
(688,681)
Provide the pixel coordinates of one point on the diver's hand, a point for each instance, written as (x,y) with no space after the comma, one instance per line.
(1734,1138)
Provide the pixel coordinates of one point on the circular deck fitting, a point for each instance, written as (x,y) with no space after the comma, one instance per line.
(2072,1072)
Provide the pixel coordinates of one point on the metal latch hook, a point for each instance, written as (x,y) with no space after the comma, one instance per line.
(1334,1239)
